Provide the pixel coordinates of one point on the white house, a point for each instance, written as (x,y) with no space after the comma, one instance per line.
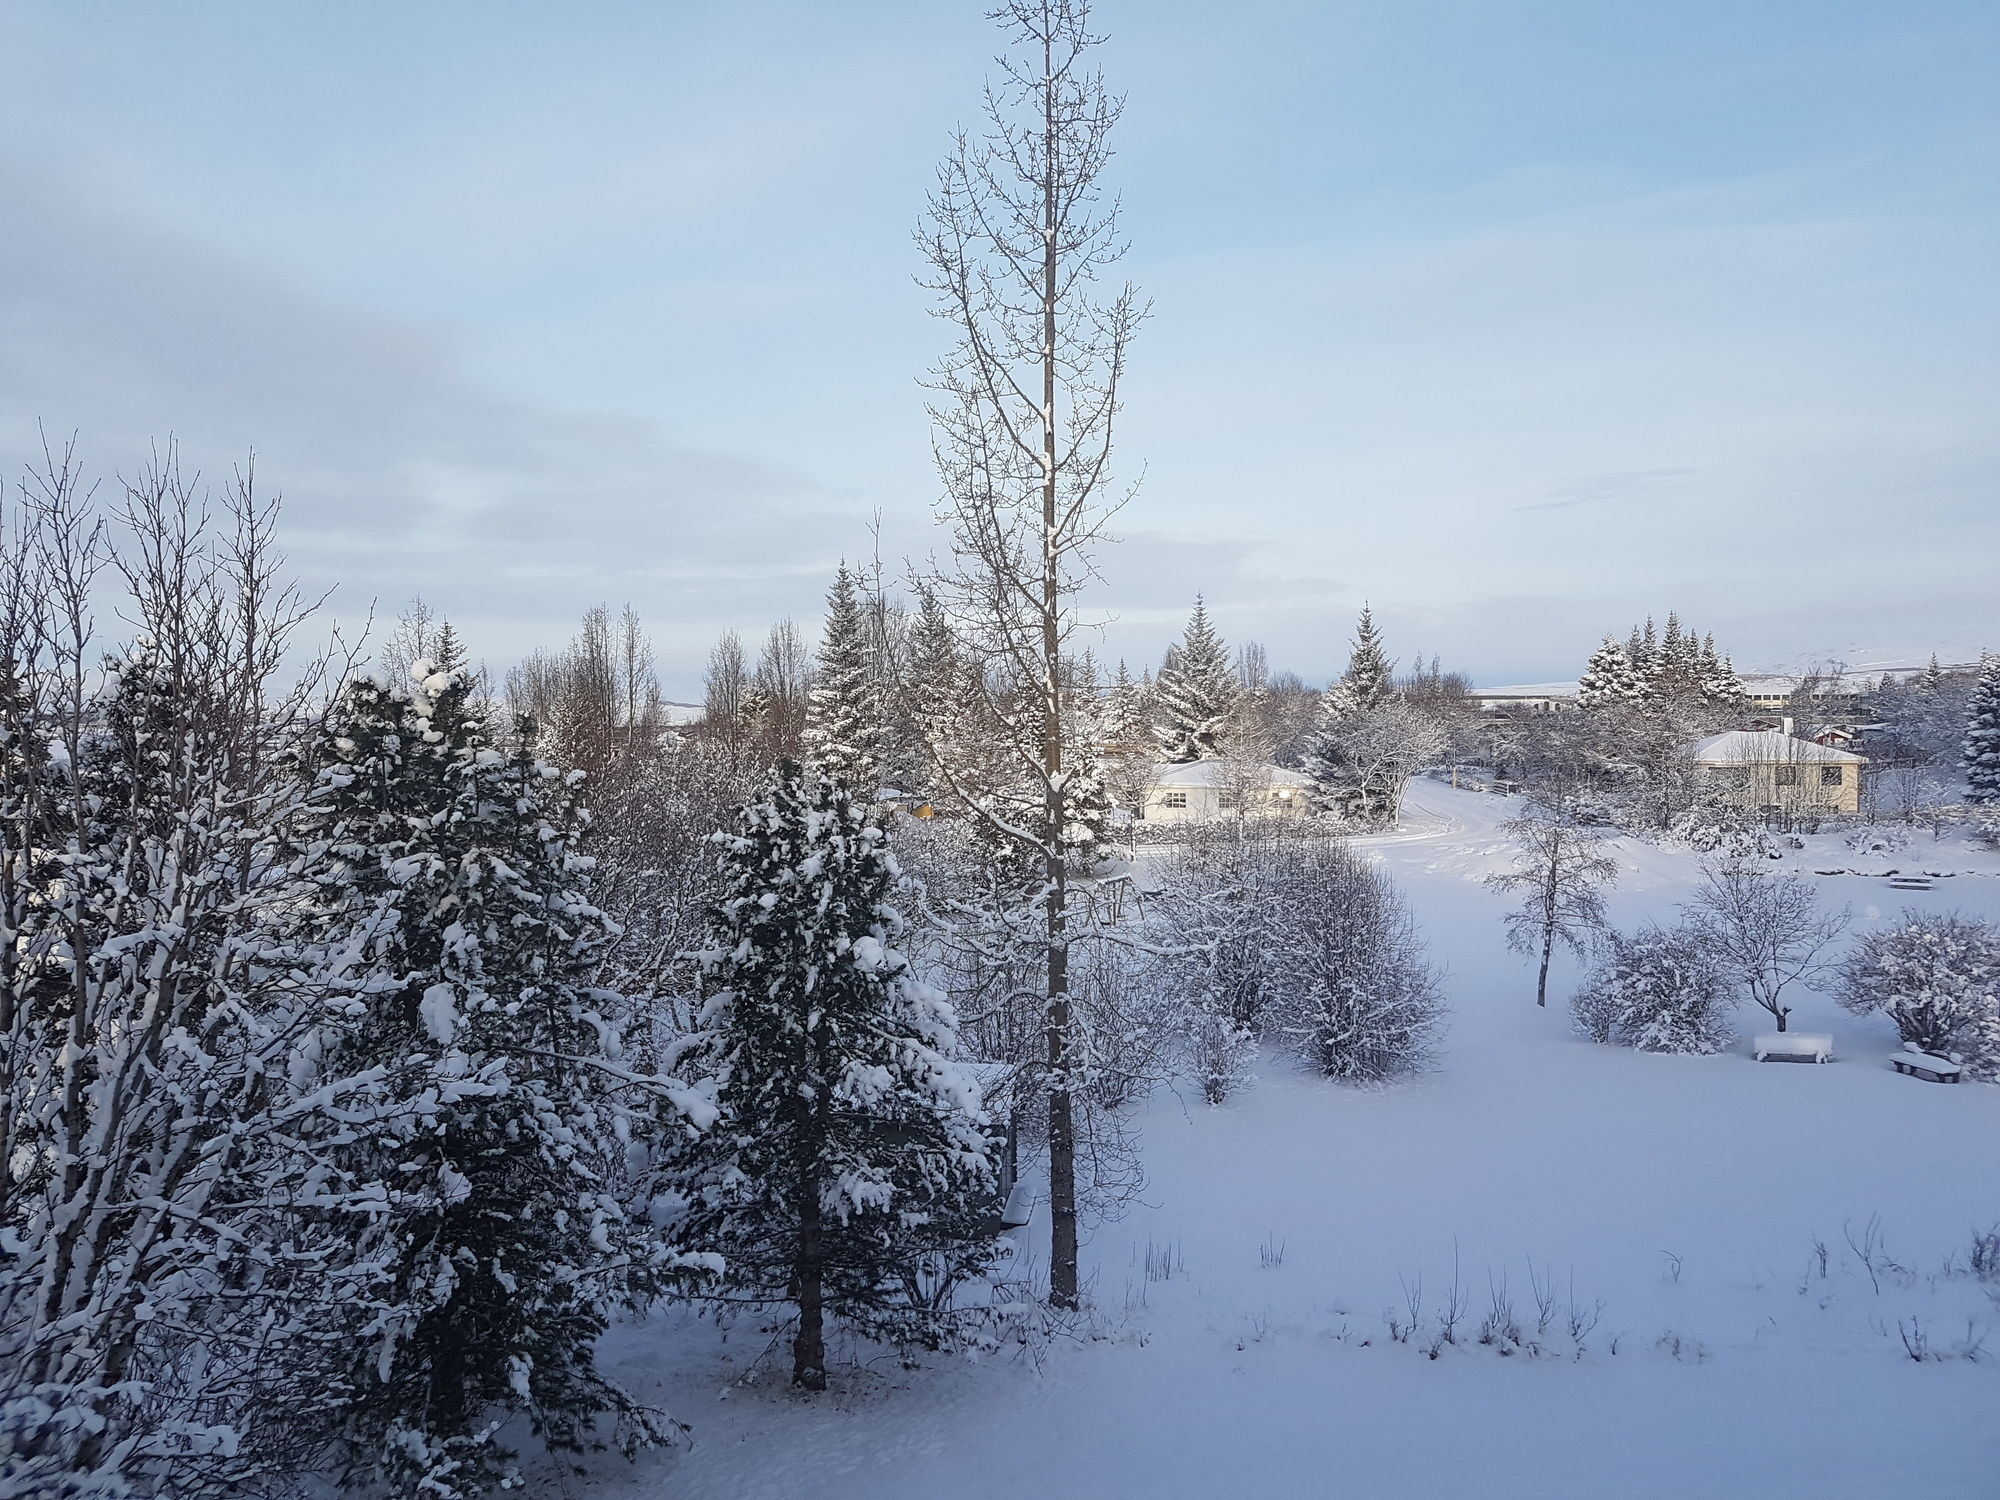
(1775,769)
(1204,789)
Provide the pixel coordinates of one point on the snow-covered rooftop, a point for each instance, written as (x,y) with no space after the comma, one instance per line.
(1527,690)
(1223,773)
(1766,747)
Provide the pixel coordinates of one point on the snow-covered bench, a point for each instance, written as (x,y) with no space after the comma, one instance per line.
(1794,1046)
(1925,1065)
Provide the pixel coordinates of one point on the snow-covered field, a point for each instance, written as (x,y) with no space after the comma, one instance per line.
(1240,1343)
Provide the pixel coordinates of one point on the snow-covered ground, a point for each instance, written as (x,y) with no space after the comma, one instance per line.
(1240,1344)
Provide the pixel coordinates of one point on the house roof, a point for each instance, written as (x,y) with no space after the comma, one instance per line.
(1740,747)
(1527,690)
(1222,773)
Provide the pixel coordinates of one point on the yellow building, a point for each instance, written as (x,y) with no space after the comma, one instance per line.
(1770,770)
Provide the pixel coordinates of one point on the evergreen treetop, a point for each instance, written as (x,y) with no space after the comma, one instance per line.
(1369,679)
(1195,692)
(844,719)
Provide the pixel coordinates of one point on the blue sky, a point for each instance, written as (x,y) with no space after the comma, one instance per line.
(1518,320)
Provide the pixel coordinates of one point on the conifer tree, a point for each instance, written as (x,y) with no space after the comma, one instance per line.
(843,727)
(850,1170)
(1369,680)
(1981,754)
(1608,680)
(1194,693)
(450,871)
(933,697)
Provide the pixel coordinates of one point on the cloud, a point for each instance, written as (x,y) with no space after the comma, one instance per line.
(401,475)
(1631,484)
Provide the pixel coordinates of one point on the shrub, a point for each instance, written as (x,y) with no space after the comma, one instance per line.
(1937,977)
(1658,990)
(1347,969)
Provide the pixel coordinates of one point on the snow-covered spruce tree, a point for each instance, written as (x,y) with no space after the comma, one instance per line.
(1659,990)
(501,1244)
(1559,869)
(1125,747)
(844,710)
(1362,757)
(1194,693)
(1936,977)
(1609,679)
(1370,678)
(1359,998)
(849,1175)
(1370,740)
(1981,752)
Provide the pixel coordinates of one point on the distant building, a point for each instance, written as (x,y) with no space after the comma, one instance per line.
(1529,698)
(1771,770)
(1202,790)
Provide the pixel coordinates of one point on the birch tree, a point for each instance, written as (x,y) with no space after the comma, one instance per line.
(1559,866)
(1019,238)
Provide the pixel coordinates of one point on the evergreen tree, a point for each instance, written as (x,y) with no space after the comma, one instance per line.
(1194,693)
(1981,754)
(844,730)
(449,871)
(1608,680)
(1369,680)
(849,1175)
(1126,741)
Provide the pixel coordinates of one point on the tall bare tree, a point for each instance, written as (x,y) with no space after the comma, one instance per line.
(1018,238)
(1559,865)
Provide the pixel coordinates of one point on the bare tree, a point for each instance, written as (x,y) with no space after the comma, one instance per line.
(1558,869)
(1019,234)
(1767,930)
(725,689)
(638,685)
(413,639)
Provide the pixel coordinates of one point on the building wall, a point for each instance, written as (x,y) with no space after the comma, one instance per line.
(1200,804)
(1767,784)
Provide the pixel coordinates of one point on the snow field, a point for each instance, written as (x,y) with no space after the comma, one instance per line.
(1240,1340)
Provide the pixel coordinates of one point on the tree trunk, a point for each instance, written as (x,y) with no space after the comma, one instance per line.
(1062,1118)
(809,1344)
(1542,982)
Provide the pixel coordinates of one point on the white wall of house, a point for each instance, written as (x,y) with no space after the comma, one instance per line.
(1210,789)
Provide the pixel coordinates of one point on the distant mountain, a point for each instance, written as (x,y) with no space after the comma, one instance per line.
(682,713)
(1872,661)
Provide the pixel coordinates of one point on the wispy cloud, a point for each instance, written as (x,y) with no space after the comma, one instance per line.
(1597,489)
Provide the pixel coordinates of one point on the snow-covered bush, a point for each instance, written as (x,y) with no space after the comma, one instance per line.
(1982,824)
(1279,933)
(1723,830)
(1349,980)
(1659,990)
(1937,977)
(1211,923)
(1878,839)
